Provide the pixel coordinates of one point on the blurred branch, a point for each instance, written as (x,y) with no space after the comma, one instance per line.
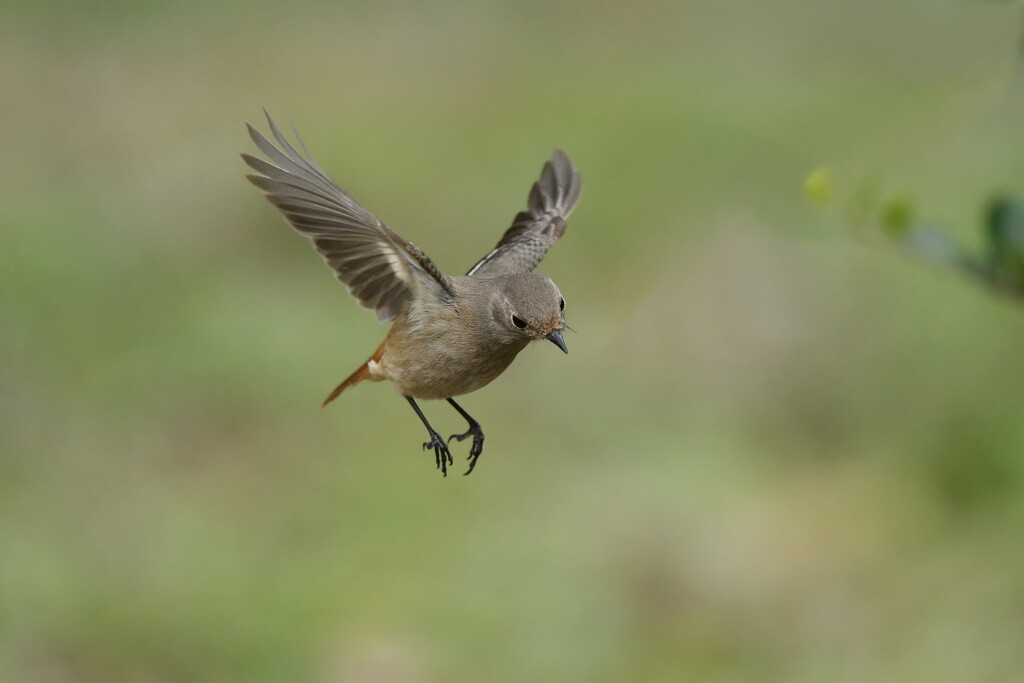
(869,216)
(999,265)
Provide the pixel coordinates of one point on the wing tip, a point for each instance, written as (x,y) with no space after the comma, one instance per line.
(558,187)
(258,180)
(248,159)
(254,134)
(571,184)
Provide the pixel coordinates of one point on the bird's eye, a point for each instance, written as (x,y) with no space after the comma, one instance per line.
(518,322)
(561,304)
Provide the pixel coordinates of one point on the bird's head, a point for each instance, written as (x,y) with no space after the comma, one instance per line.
(528,307)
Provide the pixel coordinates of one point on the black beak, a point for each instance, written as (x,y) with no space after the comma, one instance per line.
(556,338)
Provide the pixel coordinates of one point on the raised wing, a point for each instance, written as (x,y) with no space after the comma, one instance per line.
(382,270)
(533,231)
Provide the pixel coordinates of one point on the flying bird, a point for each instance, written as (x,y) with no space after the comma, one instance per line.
(449,335)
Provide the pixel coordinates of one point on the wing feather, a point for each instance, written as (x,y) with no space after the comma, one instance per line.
(382,270)
(552,198)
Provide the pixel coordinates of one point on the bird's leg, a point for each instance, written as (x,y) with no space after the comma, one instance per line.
(474,431)
(442,455)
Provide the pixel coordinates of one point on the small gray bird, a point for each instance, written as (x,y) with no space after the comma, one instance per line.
(451,334)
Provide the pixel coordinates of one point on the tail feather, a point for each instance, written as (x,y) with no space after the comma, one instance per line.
(363,372)
(355,378)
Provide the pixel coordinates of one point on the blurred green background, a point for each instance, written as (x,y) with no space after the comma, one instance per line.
(772,453)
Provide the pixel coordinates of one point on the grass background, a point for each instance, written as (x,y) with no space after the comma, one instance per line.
(771,454)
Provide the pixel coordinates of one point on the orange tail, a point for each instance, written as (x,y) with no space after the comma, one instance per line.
(356,377)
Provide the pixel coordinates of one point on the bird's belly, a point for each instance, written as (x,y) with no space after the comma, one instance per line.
(443,374)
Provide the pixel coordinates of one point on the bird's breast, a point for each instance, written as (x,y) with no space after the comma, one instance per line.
(433,362)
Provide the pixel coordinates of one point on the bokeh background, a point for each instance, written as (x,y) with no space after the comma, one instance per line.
(772,453)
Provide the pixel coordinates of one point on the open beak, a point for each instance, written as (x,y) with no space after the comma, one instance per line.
(556,338)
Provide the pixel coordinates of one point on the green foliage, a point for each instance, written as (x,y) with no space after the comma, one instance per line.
(1000,263)
(896,217)
(1005,231)
(818,187)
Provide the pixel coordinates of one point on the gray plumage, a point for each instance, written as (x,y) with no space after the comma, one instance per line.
(450,335)
(382,270)
(439,350)
(533,231)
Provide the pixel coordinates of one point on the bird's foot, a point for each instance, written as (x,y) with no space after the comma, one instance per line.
(478,444)
(442,456)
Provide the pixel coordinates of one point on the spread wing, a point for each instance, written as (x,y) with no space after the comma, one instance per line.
(533,231)
(382,270)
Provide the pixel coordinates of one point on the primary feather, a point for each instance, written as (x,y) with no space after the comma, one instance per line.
(552,199)
(381,269)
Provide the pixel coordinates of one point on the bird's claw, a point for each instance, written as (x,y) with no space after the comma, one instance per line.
(442,456)
(478,444)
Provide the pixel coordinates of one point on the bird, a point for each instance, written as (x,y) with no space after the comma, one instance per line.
(449,335)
